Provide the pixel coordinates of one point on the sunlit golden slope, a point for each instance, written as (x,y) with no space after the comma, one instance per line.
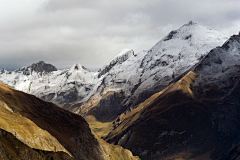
(45,128)
(13,149)
(128,118)
(180,122)
(27,131)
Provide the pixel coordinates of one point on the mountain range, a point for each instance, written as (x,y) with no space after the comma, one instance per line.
(177,100)
(127,75)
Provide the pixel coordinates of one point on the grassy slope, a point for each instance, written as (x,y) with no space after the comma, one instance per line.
(24,115)
(152,117)
(27,131)
(13,149)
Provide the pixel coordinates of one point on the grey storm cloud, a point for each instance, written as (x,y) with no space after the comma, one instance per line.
(91,32)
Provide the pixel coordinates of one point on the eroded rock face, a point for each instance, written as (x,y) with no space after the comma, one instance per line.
(197,116)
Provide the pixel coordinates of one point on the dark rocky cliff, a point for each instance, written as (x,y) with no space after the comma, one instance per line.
(42,67)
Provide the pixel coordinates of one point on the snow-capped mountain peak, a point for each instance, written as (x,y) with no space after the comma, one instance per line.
(117,59)
(77,67)
(3,71)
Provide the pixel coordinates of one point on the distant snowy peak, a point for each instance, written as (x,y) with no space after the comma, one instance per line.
(192,33)
(78,67)
(117,59)
(182,33)
(79,73)
(3,71)
(39,67)
(190,42)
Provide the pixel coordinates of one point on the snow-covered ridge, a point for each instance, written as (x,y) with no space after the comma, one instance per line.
(127,72)
(60,86)
(117,59)
(221,62)
(180,50)
(173,55)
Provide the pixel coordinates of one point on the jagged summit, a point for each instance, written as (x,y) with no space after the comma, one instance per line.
(41,66)
(190,23)
(38,67)
(77,67)
(3,70)
(185,28)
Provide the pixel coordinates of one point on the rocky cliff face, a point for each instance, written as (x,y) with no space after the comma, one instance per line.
(195,117)
(43,67)
(43,128)
(39,67)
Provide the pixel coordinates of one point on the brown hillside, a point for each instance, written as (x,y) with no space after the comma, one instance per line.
(44,126)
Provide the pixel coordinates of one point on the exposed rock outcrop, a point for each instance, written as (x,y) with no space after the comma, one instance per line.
(42,67)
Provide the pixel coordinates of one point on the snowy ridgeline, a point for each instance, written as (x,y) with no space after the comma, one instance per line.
(128,72)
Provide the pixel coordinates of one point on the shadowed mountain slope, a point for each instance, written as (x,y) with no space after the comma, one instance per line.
(195,117)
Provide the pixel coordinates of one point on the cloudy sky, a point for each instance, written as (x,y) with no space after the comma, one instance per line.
(65,32)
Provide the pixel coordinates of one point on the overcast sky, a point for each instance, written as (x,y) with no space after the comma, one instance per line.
(65,32)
